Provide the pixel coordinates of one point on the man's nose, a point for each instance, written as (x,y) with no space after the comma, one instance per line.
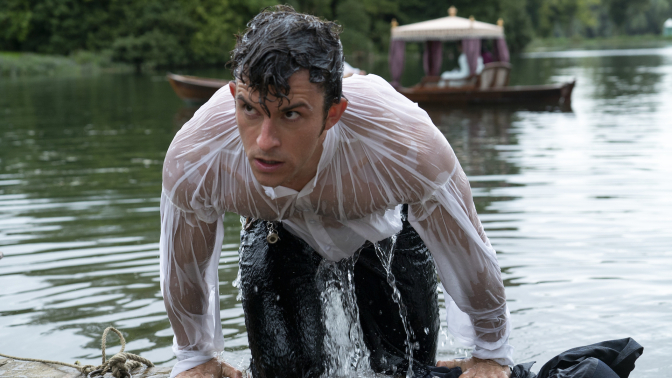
(268,137)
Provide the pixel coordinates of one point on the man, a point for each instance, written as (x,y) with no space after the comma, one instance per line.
(323,169)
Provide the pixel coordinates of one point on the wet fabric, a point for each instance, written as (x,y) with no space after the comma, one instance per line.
(385,151)
(607,359)
(281,292)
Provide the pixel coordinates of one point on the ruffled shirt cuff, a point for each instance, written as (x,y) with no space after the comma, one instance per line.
(190,363)
(502,355)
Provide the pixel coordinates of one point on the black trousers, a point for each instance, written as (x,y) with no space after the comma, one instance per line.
(284,315)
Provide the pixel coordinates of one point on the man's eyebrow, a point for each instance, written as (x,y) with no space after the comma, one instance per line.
(299,104)
(243,99)
(288,108)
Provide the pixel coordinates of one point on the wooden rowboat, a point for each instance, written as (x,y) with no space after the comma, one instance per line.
(195,90)
(487,85)
(555,94)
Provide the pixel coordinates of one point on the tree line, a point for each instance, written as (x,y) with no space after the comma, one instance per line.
(200,32)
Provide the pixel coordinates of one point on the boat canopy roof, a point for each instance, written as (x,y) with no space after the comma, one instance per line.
(448,29)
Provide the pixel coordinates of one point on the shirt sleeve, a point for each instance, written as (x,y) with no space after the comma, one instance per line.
(192,205)
(475,300)
(466,262)
(190,250)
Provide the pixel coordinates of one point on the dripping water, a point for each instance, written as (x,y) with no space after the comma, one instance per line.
(346,353)
(385,254)
(236,284)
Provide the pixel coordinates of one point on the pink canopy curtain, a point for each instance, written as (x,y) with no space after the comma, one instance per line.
(396,61)
(431,58)
(472,50)
(502,50)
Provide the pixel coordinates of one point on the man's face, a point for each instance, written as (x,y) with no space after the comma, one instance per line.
(284,148)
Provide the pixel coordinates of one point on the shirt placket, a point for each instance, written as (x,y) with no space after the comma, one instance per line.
(314,225)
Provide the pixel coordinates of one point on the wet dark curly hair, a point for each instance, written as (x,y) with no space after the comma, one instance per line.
(279,42)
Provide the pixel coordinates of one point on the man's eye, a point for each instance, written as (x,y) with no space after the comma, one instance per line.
(292,115)
(249,110)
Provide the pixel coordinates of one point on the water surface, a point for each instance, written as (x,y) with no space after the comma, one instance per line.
(576,203)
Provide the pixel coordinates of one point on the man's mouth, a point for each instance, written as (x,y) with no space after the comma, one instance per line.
(267,165)
(269,162)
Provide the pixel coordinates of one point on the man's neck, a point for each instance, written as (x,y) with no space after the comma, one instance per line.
(307,172)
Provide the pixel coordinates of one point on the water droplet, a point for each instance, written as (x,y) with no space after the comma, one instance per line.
(256,289)
(277,298)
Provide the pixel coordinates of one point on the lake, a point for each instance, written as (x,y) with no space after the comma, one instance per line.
(577,203)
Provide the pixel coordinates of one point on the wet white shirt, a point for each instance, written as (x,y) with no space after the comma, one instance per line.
(385,151)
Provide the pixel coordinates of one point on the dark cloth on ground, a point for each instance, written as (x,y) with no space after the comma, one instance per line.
(284,315)
(607,359)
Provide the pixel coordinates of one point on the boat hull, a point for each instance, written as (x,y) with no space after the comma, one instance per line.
(557,94)
(194,90)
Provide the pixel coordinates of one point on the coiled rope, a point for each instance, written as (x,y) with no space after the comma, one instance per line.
(120,365)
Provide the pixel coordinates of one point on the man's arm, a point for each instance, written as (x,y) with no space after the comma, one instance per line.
(199,172)
(469,271)
(190,251)
(475,298)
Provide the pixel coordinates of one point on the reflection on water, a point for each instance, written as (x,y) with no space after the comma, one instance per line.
(576,203)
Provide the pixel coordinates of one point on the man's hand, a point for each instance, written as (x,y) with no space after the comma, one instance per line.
(476,368)
(211,369)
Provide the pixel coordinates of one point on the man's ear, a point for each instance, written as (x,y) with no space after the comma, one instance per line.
(232,88)
(335,112)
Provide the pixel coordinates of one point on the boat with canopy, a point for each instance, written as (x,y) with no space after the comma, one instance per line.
(489,85)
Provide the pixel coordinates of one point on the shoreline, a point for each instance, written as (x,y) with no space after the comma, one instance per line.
(598,43)
(15,64)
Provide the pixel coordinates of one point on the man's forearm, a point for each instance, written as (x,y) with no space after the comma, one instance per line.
(189,259)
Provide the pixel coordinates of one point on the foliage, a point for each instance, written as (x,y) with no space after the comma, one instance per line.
(201,32)
(140,32)
(598,18)
(79,62)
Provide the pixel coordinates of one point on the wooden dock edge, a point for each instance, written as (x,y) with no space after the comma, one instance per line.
(10,368)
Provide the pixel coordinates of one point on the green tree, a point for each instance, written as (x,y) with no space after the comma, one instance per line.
(153,32)
(15,20)
(566,18)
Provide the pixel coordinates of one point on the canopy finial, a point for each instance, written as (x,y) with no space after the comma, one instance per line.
(471,21)
(500,23)
(394,23)
(452,11)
